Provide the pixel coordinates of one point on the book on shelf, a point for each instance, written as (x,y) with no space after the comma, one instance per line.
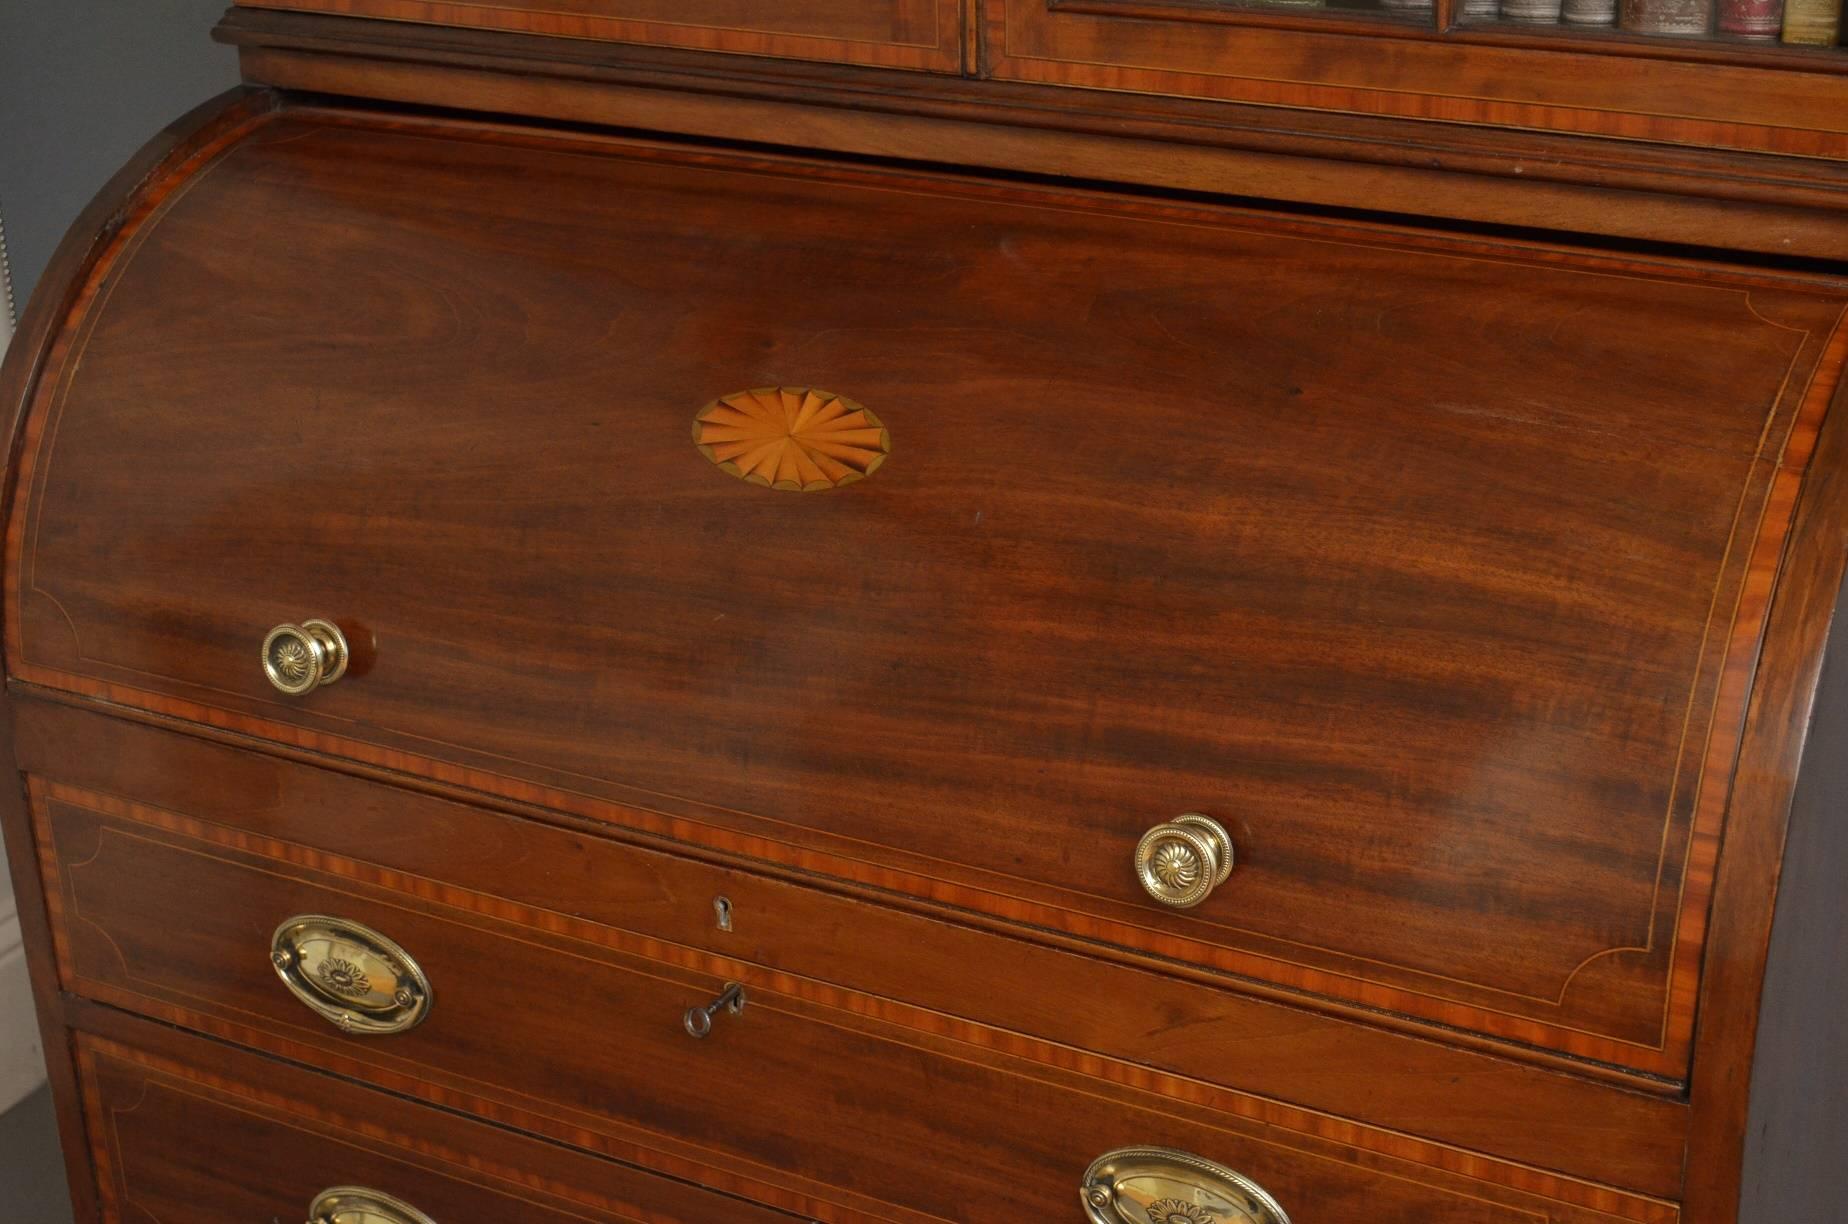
(1675,17)
(1590,12)
(1816,23)
(1531,12)
(1751,18)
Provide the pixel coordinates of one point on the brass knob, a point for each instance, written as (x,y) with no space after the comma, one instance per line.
(358,1205)
(1180,863)
(301,658)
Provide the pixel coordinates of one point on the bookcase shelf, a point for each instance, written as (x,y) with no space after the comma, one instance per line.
(1716,48)
(1448,19)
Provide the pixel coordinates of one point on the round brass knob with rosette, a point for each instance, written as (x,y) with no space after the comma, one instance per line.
(1180,863)
(301,658)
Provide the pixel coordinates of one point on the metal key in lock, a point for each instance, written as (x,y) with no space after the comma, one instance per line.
(698,1020)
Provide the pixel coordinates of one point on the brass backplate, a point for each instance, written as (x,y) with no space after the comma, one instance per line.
(358,1205)
(1164,1186)
(350,975)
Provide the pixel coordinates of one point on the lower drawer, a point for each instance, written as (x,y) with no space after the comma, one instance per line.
(807,1099)
(188,1130)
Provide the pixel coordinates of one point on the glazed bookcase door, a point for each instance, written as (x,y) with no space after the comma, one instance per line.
(1350,543)
(1482,69)
(1285,13)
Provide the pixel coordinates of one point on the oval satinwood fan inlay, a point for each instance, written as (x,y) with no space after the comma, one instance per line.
(795,438)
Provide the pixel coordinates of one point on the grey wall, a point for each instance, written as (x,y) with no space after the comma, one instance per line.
(83,84)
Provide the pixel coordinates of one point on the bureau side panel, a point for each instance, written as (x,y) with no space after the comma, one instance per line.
(1778,735)
(1797,1127)
(82,258)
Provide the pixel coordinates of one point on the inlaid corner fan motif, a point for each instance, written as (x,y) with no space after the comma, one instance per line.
(794,438)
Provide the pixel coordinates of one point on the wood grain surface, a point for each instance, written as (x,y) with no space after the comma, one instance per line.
(1147,542)
(1725,199)
(1776,753)
(822,1100)
(1209,1041)
(1495,575)
(916,34)
(186,1129)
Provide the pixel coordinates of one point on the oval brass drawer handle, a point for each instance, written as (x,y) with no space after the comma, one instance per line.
(357,1205)
(301,658)
(1163,1186)
(350,975)
(1180,863)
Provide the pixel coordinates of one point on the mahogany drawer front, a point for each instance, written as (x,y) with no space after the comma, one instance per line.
(916,34)
(791,1100)
(187,1131)
(1205,1040)
(1467,711)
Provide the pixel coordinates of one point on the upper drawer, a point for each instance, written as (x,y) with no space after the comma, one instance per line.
(1433,569)
(920,34)
(803,1098)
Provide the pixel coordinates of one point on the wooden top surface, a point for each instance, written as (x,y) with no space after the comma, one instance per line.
(910,34)
(1433,567)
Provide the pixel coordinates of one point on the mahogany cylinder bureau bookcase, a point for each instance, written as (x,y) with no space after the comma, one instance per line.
(1114,611)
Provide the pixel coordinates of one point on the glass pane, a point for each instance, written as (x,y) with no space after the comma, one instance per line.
(1814,24)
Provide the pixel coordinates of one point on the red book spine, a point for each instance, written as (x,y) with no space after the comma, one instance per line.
(1752,18)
